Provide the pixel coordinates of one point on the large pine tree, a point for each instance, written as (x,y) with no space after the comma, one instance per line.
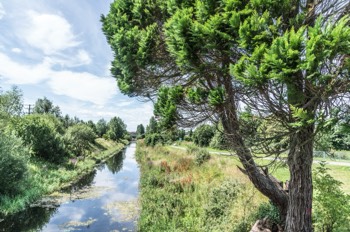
(286,59)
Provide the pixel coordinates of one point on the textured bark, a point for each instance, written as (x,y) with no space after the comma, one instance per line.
(300,186)
(268,187)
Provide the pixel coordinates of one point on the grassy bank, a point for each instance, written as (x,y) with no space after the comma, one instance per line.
(45,178)
(185,192)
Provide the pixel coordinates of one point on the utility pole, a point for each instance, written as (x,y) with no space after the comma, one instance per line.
(28,109)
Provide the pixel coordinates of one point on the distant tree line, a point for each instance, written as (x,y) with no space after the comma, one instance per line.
(44,135)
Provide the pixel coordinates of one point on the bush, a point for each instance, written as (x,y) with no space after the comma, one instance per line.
(270,211)
(13,164)
(79,137)
(331,204)
(153,139)
(41,136)
(203,134)
(219,204)
(201,156)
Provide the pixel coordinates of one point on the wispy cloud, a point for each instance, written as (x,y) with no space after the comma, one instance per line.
(2,11)
(16,50)
(83,86)
(48,32)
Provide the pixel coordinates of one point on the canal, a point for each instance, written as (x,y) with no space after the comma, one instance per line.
(104,200)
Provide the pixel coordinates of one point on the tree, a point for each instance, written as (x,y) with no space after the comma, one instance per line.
(101,127)
(203,134)
(281,58)
(140,131)
(116,129)
(13,164)
(11,101)
(152,127)
(42,135)
(79,137)
(45,106)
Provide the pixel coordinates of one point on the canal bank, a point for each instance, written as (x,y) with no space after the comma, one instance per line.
(104,200)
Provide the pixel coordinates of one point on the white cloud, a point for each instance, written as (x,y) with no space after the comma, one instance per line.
(83,86)
(2,11)
(48,32)
(16,50)
(78,85)
(83,57)
(15,73)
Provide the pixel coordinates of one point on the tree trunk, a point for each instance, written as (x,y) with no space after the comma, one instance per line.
(260,180)
(300,186)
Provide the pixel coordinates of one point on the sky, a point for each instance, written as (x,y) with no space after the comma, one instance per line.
(56,49)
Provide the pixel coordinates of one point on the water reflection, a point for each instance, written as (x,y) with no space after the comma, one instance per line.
(115,163)
(32,219)
(104,200)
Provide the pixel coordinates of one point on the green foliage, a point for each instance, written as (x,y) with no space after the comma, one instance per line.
(79,137)
(166,103)
(116,129)
(41,135)
(153,139)
(11,102)
(220,200)
(201,156)
(45,106)
(219,140)
(202,135)
(270,211)
(152,126)
(13,164)
(331,204)
(140,131)
(101,127)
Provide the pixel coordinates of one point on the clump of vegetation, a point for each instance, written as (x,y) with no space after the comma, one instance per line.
(331,204)
(41,136)
(203,135)
(79,137)
(201,156)
(268,210)
(177,195)
(220,201)
(13,164)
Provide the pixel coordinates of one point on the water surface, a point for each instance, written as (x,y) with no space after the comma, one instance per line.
(104,200)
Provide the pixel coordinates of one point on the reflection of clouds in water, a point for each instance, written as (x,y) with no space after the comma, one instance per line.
(112,197)
(50,227)
(70,213)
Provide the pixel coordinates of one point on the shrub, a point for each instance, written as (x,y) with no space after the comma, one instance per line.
(13,164)
(41,136)
(203,134)
(201,156)
(270,211)
(220,200)
(153,139)
(191,149)
(79,137)
(331,204)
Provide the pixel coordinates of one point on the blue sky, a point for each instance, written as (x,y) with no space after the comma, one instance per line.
(57,49)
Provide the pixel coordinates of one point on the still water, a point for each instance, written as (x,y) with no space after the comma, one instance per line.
(105,200)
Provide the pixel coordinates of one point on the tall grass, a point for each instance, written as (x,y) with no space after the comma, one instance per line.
(178,195)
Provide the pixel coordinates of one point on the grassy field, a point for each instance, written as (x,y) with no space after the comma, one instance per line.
(45,178)
(280,171)
(179,194)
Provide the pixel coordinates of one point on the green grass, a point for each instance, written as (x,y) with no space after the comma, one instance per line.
(179,195)
(45,178)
